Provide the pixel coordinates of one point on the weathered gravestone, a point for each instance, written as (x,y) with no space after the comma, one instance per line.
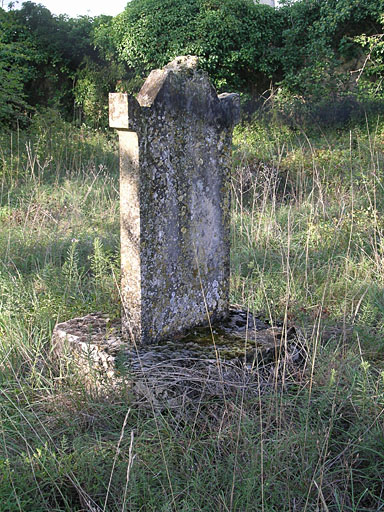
(175,152)
(175,158)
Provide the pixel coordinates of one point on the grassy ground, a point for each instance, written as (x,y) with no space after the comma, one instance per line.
(307,251)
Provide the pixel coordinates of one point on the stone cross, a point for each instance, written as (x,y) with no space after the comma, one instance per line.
(175,160)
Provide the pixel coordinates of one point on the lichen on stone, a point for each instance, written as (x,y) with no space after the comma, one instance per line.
(175,201)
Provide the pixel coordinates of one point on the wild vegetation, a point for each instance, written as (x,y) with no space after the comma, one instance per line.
(306,53)
(307,254)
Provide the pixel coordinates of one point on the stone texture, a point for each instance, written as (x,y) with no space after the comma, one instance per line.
(240,354)
(92,343)
(175,160)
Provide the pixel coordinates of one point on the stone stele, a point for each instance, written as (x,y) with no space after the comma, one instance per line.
(175,159)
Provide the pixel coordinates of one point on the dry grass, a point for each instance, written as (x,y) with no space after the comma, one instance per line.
(307,254)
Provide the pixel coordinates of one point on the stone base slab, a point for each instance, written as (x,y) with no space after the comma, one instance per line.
(218,360)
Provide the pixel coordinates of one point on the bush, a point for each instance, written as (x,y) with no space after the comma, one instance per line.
(236,40)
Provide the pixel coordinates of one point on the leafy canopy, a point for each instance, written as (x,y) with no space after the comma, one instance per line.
(236,40)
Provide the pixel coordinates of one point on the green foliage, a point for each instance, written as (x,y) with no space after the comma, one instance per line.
(307,47)
(313,51)
(371,74)
(235,40)
(49,46)
(50,61)
(13,70)
(149,32)
(318,44)
(93,83)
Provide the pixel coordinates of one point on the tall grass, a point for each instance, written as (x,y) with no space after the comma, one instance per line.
(307,253)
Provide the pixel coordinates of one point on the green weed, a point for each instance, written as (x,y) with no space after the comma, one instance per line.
(307,252)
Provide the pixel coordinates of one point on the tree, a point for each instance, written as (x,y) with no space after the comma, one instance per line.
(319,48)
(51,61)
(14,70)
(236,40)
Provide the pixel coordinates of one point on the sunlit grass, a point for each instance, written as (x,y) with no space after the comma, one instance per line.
(307,252)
